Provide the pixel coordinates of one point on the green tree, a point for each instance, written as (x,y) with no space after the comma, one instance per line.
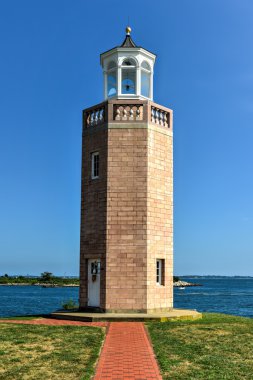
(4,280)
(46,276)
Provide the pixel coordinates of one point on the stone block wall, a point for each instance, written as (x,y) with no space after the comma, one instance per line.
(160,217)
(126,248)
(93,211)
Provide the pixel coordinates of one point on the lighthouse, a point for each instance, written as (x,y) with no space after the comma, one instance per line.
(126,240)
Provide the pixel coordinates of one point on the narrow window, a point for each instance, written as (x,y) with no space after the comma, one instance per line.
(95,165)
(160,271)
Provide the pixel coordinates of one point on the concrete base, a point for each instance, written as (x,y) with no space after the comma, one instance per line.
(173,315)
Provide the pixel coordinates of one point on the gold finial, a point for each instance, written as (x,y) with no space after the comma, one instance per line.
(128,30)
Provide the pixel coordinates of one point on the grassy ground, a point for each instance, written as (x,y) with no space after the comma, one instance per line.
(216,347)
(22,318)
(48,352)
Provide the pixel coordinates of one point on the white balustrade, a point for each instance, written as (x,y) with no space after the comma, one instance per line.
(159,116)
(94,117)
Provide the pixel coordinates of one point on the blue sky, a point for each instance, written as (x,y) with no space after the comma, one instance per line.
(50,71)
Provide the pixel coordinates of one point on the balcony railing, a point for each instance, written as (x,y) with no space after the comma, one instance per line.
(115,111)
(94,116)
(160,116)
(125,112)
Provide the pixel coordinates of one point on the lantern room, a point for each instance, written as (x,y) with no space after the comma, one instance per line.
(128,71)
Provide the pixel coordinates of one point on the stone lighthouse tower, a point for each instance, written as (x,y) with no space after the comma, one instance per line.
(126,256)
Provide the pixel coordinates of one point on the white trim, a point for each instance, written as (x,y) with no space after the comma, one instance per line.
(105,84)
(151,85)
(130,96)
(127,50)
(138,80)
(119,81)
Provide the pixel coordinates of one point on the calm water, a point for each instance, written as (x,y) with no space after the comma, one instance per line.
(225,295)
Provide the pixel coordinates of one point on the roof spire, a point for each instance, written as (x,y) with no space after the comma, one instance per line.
(128,42)
(128,30)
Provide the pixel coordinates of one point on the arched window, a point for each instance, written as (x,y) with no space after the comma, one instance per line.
(145,79)
(111,79)
(145,65)
(111,65)
(128,83)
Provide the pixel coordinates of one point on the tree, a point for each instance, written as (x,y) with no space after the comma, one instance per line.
(46,276)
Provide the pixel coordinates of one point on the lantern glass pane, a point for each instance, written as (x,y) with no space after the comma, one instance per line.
(111,84)
(145,65)
(128,81)
(111,65)
(145,84)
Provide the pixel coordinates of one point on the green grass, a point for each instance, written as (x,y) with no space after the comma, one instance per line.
(48,352)
(23,318)
(216,347)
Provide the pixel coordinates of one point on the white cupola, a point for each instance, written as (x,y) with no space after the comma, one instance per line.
(128,71)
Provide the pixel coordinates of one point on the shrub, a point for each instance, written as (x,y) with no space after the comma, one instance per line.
(70,304)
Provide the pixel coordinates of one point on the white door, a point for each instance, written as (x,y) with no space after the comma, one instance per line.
(94,282)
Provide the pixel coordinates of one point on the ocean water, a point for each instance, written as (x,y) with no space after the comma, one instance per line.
(30,300)
(230,295)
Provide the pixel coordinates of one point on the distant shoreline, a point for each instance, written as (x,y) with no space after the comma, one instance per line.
(176,284)
(46,280)
(43,285)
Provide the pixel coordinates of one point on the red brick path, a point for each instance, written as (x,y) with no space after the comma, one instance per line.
(127,354)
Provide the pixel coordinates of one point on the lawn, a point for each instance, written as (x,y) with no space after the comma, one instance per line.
(48,352)
(216,347)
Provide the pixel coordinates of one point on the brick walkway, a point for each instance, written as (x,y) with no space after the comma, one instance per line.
(127,354)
